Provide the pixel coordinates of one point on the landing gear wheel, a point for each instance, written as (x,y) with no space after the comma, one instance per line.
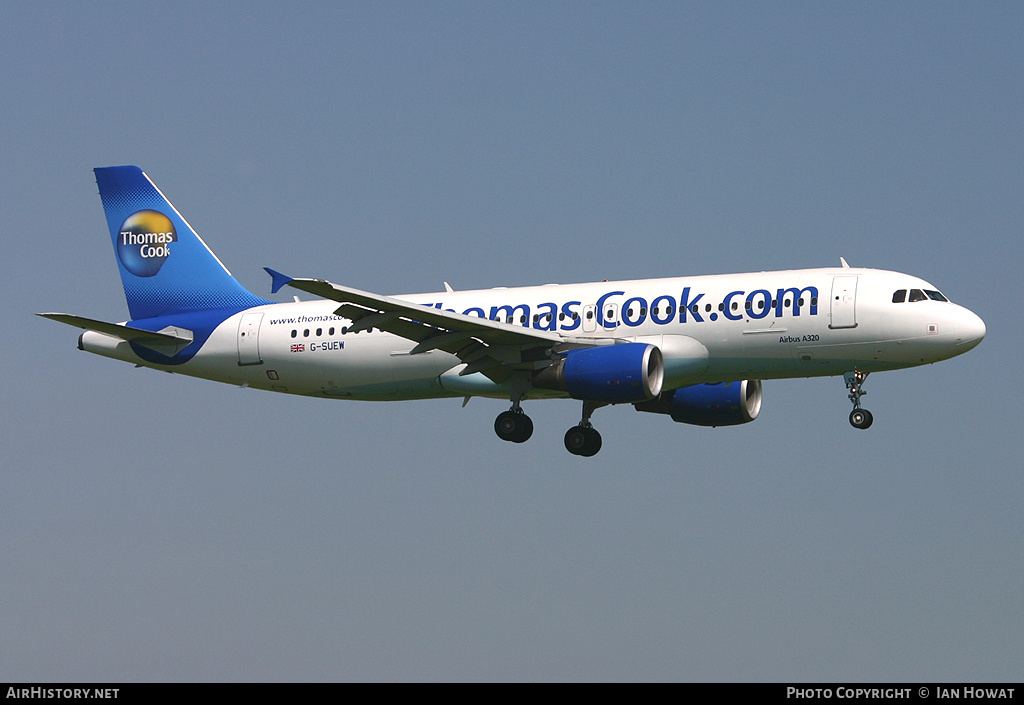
(514,426)
(583,440)
(861,418)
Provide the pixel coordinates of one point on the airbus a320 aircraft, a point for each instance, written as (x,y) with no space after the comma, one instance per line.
(692,348)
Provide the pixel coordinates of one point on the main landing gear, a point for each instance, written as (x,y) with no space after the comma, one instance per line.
(859,418)
(583,439)
(513,425)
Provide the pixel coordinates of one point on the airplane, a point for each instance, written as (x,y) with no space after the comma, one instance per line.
(693,348)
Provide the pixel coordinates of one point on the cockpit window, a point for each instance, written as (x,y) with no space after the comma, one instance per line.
(900,295)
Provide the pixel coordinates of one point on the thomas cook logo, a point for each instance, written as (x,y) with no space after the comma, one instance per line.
(143,243)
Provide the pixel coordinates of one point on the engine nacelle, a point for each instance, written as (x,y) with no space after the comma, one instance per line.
(624,373)
(721,404)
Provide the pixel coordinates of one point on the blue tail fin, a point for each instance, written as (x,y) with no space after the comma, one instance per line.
(165,266)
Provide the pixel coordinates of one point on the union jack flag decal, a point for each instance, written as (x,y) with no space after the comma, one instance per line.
(301,347)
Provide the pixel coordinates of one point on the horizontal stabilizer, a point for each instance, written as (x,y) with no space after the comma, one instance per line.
(168,341)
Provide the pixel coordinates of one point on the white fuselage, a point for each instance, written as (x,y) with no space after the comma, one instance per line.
(762,325)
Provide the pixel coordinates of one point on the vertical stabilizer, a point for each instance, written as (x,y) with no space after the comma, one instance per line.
(166,268)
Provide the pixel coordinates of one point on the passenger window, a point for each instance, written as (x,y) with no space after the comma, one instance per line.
(900,296)
(917,295)
(319,332)
(295,333)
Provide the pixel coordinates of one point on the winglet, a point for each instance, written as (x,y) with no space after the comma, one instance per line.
(280,280)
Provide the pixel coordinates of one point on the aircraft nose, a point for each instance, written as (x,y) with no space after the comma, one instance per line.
(970,329)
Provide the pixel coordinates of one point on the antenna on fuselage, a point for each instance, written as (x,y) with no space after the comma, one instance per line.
(842,261)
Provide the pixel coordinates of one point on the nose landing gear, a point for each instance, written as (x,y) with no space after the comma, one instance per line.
(859,418)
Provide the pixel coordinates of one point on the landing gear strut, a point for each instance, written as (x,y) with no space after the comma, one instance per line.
(859,418)
(584,439)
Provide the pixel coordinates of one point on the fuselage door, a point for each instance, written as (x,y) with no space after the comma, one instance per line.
(611,315)
(249,339)
(844,302)
(589,318)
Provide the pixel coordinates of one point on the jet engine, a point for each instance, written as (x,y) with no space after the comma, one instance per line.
(720,404)
(624,373)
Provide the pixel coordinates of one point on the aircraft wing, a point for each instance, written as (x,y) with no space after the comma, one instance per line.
(168,341)
(490,347)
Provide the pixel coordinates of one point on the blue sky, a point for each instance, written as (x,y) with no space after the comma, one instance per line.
(165,528)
